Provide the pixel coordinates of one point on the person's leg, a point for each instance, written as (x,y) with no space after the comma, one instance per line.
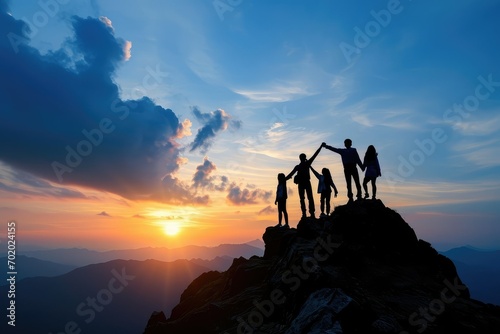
(310,199)
(365,186)
(285,213)
(280,212)
(328,196)
(374,187)
(347,175)
(302,190)
(322,202)
(355,176)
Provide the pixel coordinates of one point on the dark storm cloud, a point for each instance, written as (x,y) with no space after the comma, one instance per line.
(213,122)
(62,119)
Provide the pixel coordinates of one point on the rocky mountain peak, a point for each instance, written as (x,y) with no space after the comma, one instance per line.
(360,270)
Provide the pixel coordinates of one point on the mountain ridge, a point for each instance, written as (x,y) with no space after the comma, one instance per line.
(33,267)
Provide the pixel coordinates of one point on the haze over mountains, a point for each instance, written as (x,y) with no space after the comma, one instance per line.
(108,295)
(81,257)
(32,267)
(480,270)
(112,297)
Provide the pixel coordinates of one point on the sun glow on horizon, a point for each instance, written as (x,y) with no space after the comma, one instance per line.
(171,228)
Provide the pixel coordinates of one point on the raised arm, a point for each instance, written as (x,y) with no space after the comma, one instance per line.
(331,148)
(289,176)
(314,155)
(315,172)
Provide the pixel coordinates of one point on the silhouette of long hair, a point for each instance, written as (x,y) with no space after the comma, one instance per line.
(371,153)
(281,178)
(328,176)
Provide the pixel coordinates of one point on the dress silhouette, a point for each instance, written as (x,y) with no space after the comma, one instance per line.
(325,186)
(350,159)
(303,180)
(372,167)
(281,196)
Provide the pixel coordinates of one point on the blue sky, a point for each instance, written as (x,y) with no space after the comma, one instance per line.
(218,97)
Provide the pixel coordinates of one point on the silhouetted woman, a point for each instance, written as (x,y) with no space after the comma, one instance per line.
(372,166)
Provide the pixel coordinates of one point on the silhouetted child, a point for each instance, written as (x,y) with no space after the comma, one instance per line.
(281,196)
(372,166)
(324,188)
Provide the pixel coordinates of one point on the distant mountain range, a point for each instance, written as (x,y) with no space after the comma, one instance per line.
(31,267)
(109,292)
(116,291)
(80,257)
(480,271)
(113,297)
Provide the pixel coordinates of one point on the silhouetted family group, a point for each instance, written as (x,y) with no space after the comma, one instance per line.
(350,161)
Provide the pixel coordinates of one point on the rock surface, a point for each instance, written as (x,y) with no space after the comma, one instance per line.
(360,270)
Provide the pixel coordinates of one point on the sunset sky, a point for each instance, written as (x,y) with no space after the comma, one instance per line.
(128,124)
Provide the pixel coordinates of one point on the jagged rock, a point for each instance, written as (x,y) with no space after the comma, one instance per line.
(320,313)
(155,319)
(360,271)
(277,240)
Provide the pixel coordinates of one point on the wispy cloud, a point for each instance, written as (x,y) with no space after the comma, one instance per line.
(20,182)
(203,65)
(482,153)
(277,92)
(284,142)
(266,211)
(104,213)
(426,193)
(480,126)
(379,111)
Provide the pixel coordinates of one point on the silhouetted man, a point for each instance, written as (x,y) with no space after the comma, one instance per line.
(303,179)
(350,159)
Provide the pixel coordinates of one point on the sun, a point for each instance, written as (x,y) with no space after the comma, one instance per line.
(171,228)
